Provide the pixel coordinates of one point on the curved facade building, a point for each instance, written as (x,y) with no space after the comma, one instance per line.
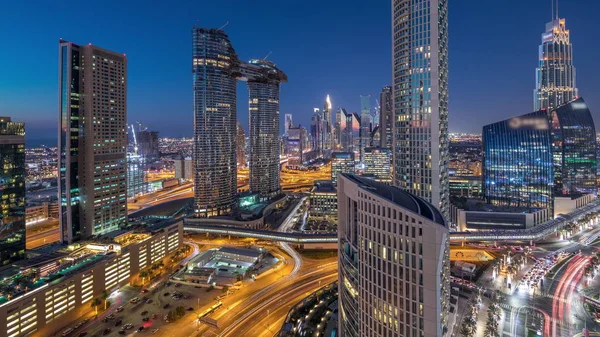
(393,262)
(264,80)
(555,74)
(215,68)
(518,162)
(574,146)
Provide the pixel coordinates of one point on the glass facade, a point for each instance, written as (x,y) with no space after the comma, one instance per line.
(420,98)
(555,74)
(92,181)
(378,163)
(12,191)
(574,146)
(386,124)
(264,79)
(214,68)
(518,164)
(365,124)
(341,162)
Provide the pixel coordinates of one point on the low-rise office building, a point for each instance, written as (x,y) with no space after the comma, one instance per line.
(323,199)
(47,293)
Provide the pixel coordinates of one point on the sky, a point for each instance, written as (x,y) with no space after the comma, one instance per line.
(336,47)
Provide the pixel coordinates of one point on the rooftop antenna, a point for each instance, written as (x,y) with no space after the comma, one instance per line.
(552,10)
(223,26)
(556,9)
(269,54)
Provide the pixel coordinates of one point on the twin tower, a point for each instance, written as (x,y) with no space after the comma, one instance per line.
(216,70)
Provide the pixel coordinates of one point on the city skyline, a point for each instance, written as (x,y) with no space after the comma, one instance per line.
(467,62)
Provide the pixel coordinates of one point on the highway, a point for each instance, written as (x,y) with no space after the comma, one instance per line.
(273,301)
(41,238)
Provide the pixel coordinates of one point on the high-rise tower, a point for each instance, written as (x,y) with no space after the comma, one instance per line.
(420,96)
(215,67)
(394,262)
(386,126)
(12,191)
(264,79)
(365,123)
(92,142)
(327,137)
(555,74)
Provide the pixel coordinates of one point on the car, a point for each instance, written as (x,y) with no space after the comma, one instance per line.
(140,329)
(122,332)
(127,326)
(143,313)
(67,332)
(105,319)
(177,285)
(166,294)
(145,319)
(153,316)
(121,308)
(117,323)
(111,316)
(148,301)
(83,333)
(106,331)
(144,291)
(154,331)
(135,300)
(166,306)
(186,296)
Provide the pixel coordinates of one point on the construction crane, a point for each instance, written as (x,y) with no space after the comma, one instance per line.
(135,143)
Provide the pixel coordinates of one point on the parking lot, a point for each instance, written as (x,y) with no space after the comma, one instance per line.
(146,313)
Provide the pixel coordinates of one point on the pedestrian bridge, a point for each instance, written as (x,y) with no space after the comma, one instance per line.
(530,234)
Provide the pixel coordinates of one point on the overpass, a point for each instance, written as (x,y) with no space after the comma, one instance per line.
(529,234)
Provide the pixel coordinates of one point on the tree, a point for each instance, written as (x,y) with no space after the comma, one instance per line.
(180,311)
(105,296)
(143,275)
(95,303)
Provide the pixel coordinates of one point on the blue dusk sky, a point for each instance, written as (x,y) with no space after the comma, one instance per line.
(335,47)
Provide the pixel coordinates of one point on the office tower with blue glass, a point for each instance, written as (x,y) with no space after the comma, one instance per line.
(92,144)
(518,169)
(12,191)
(420,96)
(215,66)
(574,149)
(264,81)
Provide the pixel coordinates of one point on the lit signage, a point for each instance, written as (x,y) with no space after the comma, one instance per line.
(537,123)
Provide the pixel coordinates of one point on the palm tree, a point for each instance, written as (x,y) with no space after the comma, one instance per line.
(105,296)
(95,303)
(143,275)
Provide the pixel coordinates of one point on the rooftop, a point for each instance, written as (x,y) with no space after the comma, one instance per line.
(241,251)
(400,198)
(323,186)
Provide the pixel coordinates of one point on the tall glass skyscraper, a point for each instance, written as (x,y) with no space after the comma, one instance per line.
(264,80)
(215,67)
(386,126)
(518,169)
(420,96)
(574,149)
(555,74)
(92,144)
(365,124)
(12,191)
